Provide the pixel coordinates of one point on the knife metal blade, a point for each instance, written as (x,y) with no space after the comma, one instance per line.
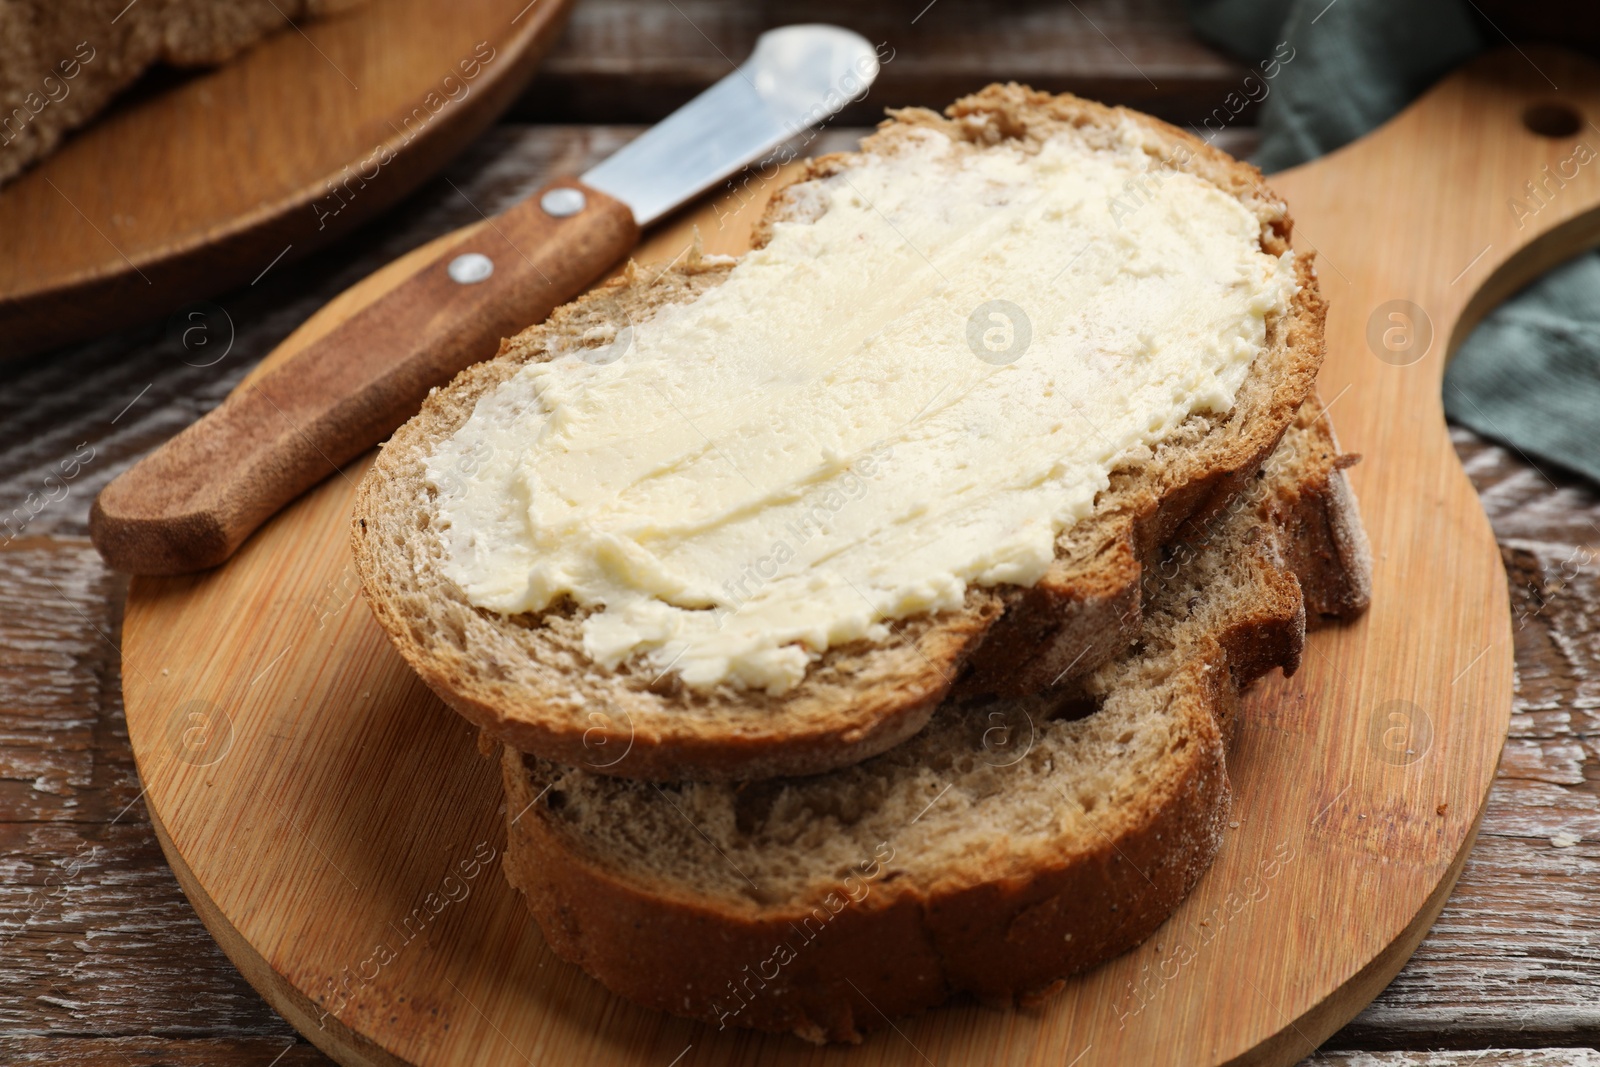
(797,77)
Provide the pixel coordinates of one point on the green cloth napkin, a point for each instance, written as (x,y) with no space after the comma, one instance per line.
(1529,375)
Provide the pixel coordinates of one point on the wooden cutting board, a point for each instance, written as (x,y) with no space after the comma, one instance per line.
(312,795)
(214,181)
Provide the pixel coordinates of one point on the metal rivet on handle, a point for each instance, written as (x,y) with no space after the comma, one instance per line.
(563,202)
(470,267)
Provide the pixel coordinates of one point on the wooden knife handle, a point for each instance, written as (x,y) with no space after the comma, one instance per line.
(190,503)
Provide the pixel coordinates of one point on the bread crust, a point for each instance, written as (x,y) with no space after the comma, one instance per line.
(1002,930)
(1003,941)
(527,683)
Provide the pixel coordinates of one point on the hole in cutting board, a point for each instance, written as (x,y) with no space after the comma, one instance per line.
(1552,120)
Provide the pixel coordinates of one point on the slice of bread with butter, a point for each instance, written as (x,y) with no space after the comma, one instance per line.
(1008,845)
(743,518)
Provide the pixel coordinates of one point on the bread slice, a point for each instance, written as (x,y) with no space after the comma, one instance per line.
(62,61)
(526,679)
(1010,844)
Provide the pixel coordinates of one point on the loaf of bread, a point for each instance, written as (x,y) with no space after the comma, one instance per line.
(1009,845)
(62,63)
(530,677)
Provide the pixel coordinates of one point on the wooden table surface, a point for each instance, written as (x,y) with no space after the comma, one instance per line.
(103,961)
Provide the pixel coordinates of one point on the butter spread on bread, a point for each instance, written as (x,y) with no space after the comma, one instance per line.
(534,679)
(913,389)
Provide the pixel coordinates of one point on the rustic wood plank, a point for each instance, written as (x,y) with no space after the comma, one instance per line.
(1492,1057)
(99,940)
(97,937)
(636,60)
(1515,954)
(63,753)
(167,1052)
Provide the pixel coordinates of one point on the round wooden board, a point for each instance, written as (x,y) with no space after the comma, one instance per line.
(202,186)
(340,834)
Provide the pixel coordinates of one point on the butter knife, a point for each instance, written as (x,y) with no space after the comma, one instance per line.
(189,504)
